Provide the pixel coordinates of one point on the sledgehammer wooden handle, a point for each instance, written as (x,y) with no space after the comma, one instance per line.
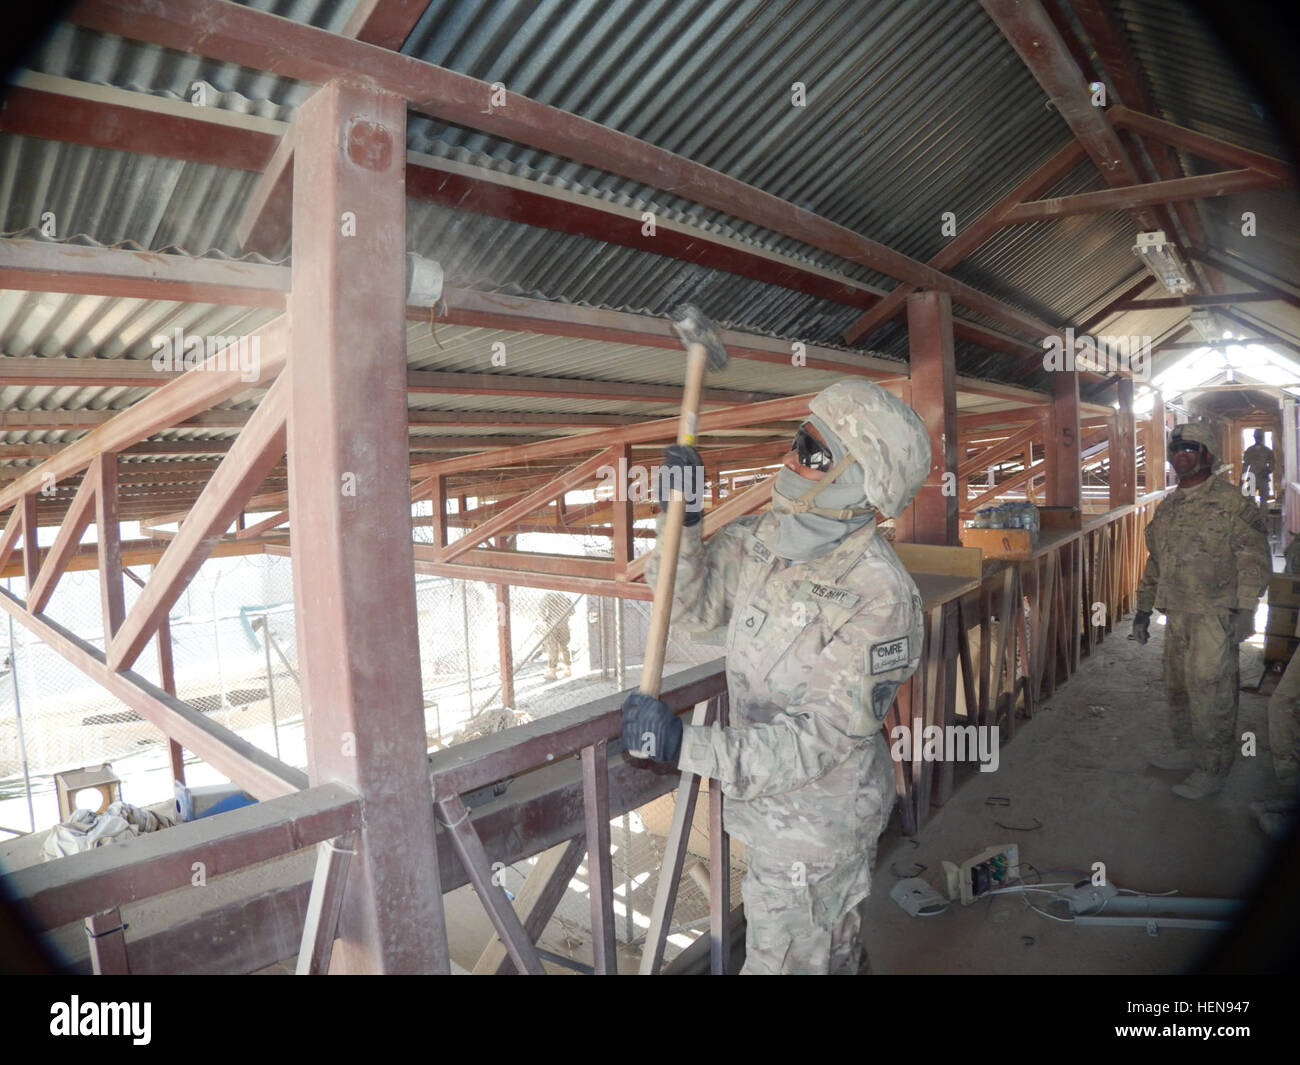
(670,538)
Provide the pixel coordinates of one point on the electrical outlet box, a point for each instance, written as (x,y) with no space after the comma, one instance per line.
(997,867)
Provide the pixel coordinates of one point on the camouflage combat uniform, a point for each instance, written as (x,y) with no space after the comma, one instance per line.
(1208,555)
(815,653)
(1284,704)
(555,611)
(1258,459)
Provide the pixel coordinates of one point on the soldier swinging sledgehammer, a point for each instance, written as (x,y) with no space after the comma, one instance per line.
(822,624)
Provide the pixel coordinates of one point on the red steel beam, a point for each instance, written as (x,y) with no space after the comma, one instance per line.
(9,538)
(92,373)
(660,429)
(386,23)
(522,314)
(1201,144)
(1139,286)
(237,34)
(349,497)
(538,579)
(126,121)
(540,562)
(1195,301)
(580,474)
(101,116)
(1224,265)
(39,266)
(103,472)
(31,552)
(1062,454)
(264,224)
(1127,82)
(46,420)
(141,552)
(1202,187)
(1123,450)
(274,521)
(997,417)
(930,351)
(973,236)
(194,391)
(1029,30)
(65,542)
(259,447)
(489,384)
(1000,452)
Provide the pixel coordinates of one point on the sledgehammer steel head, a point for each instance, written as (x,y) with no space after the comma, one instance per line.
(694,328)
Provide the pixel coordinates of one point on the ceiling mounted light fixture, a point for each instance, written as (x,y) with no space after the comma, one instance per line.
(1163,260)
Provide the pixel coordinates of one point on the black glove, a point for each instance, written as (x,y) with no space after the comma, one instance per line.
(1244,625)
(1141,626)
(650,729)
(682,466)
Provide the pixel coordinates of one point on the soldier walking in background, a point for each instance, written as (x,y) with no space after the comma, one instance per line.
(1257,467)
(822,624)
(1208,565)
(555,611)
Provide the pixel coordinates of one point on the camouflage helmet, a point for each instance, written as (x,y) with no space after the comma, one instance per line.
(1197,432)
(883,434)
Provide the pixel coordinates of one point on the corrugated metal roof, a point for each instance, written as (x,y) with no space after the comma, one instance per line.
(910,93)
(912,110)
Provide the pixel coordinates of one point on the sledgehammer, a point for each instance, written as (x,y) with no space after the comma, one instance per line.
(704,350)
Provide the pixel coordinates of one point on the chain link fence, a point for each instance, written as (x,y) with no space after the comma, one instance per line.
(235,659)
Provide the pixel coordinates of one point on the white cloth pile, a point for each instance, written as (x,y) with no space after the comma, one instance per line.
(87,829)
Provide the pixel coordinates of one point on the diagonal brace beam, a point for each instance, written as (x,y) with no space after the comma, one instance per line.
(258,448)
(570,479)
(65,543)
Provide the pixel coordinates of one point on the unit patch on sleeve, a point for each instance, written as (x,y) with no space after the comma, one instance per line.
(838,596)
(892,654)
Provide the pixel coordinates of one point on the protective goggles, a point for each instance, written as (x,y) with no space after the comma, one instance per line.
(1183,445)
(812,452)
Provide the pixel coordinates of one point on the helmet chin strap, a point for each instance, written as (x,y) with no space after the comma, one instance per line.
(804,504)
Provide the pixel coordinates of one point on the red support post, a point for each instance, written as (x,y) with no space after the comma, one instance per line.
(350,501)
(108,536)
(31,553)
(1123,448)
(929,328)
(624,515)
(505,648)
(1064,470)
(1156,453)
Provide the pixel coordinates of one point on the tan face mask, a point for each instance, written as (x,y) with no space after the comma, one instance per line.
(785,503)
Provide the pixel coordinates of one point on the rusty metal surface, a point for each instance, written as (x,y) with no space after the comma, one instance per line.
(480,762)
(600,886)
(90,882)
(354,579)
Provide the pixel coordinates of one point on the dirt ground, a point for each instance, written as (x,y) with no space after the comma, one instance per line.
(1079,768)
